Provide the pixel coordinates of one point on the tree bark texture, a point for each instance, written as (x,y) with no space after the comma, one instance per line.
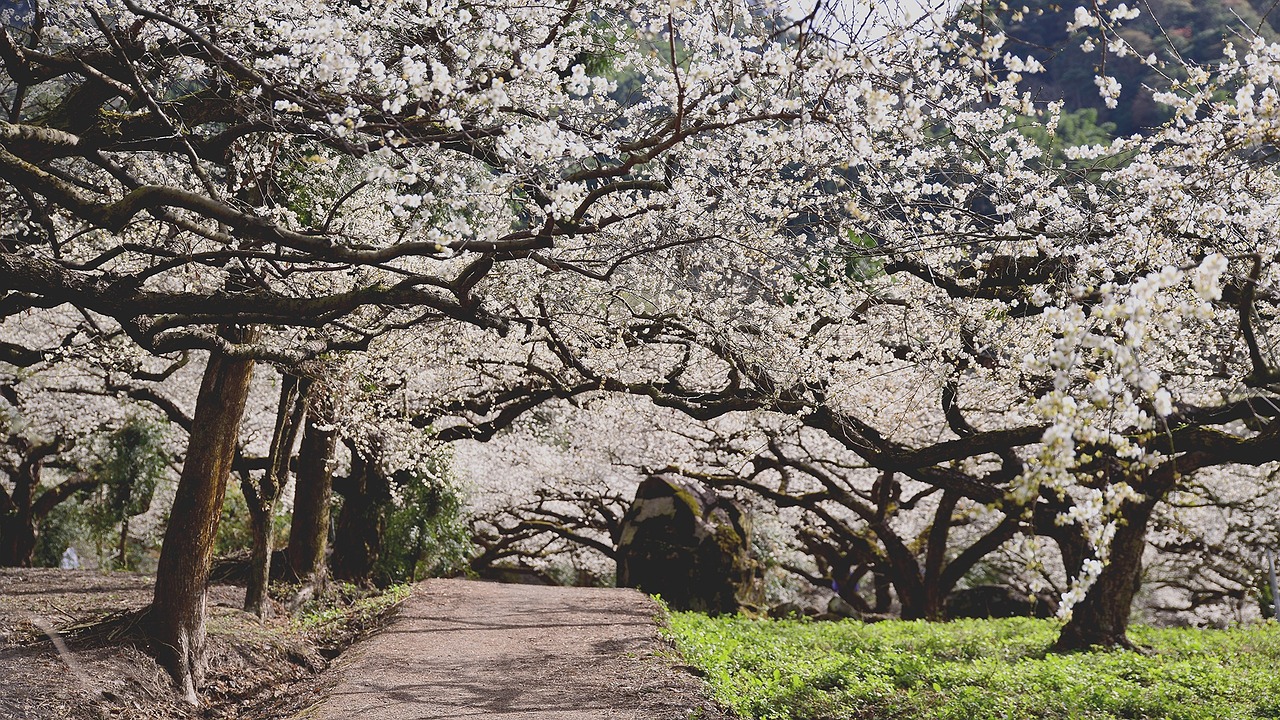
(259,577)
(263,496)
(17,540)
(18,524)
(309,530)
(358,532)
(176,618)
(122,550)
(1101,619)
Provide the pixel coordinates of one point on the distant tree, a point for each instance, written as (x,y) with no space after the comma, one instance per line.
(262,493)
(127,469)
(25,501)
(306,554)
(275,182)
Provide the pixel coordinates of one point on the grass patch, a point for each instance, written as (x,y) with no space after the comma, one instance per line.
(346,613)
(977,670)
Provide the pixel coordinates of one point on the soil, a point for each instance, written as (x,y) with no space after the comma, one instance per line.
(257,671)
(459,648)
(453,649)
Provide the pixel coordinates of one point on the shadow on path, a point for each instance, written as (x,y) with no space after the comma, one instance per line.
(460,649)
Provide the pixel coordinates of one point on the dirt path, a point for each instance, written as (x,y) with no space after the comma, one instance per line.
(462,649)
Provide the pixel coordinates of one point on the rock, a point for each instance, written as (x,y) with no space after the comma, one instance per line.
(840,608)
(687,544)
(787,610)
(998,601)
(70,559)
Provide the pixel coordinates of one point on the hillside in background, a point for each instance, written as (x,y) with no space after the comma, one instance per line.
(1192,30)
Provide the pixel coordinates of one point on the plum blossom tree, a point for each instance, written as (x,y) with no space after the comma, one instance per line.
(548,494)
(58,417)
(698,204)
(25,500)
(1210,539)
(285,180)
(1075,337)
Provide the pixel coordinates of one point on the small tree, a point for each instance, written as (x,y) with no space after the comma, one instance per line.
(128,468)
(426,531)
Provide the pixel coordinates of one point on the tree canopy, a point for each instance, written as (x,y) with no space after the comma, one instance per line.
(894,289)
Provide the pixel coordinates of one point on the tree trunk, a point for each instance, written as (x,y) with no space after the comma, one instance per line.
(358,532)
(884,592)
(21,512)
(19,526)
(263,496)
(259,579)
(1101,619)
(848,590)
(919,601)
(1070,538)
(176,618)
(903,571)
(122,556)
(933,590)
(309,531)
(17,540)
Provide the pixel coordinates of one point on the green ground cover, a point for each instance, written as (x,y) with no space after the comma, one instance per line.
(977,670)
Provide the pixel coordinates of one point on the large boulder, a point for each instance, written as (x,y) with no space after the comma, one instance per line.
(684,542)
(998,601)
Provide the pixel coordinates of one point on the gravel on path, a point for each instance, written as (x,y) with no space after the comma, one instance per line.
(460,649)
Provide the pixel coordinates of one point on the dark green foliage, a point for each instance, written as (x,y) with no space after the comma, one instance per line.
(235,534)
(426,533)
(129,464)
(1075,129)
(977,670)
(66,525)
(857,260)
(233,527)
(1265,601)
(129,467)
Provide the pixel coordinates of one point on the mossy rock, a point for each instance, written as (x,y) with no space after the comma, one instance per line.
(684,542)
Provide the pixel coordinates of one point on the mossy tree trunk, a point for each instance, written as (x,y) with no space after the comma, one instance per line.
(309,529)
(176,619)
(1101,619)
(263,495)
